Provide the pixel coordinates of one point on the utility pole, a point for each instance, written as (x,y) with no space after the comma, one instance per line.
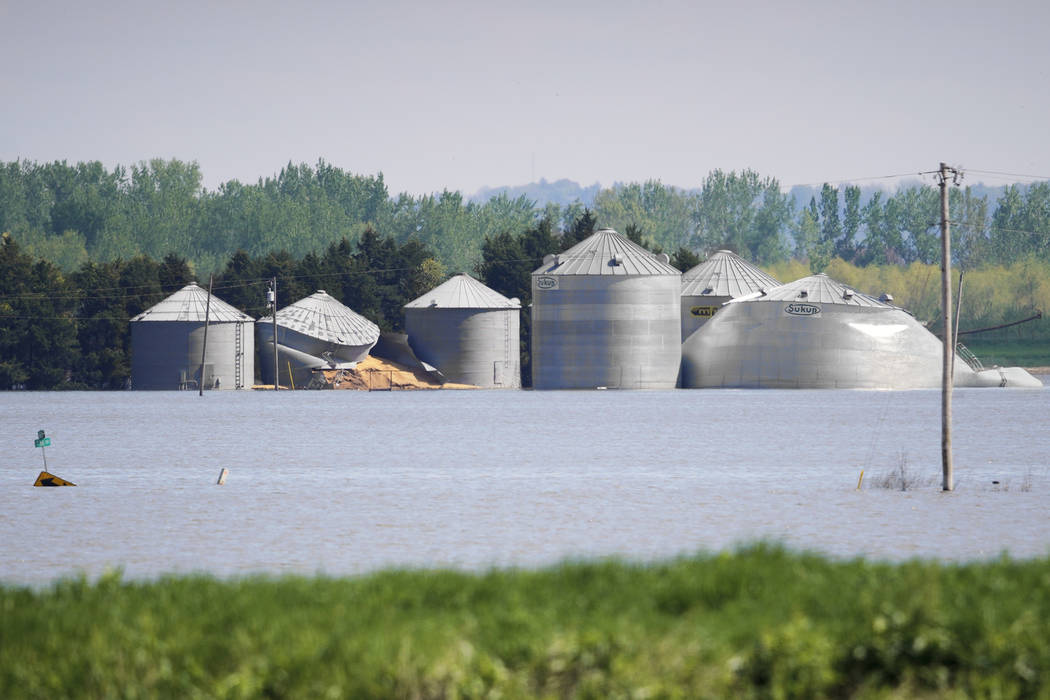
(273,302)
(948,336)
(204,346)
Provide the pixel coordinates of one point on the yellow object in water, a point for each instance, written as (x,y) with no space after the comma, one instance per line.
(49,479)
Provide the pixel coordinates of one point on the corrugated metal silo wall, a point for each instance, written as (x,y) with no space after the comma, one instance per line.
(300,352)
(468,346)
(698,310)
(612,331)
(167,355)
(758,344)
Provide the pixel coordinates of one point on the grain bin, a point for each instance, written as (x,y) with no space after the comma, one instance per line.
(815,333)
(605,313)
(167,340)
(723,276)
(313,333)
(468,331)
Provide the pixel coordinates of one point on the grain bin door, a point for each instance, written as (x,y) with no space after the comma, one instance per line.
(498,369)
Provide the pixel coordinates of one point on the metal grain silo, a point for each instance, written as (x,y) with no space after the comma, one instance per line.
(723,276)
(469,332)
(814,333)
(605,313)
(312,333)
(167,340)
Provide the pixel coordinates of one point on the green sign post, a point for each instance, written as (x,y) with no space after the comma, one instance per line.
(42,441)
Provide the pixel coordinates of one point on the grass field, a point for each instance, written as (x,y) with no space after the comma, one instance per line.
(1014,353)
(761,622)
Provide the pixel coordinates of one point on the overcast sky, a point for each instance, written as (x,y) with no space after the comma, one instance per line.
(459,95)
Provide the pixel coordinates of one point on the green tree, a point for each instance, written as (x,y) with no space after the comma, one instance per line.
(809,239)
(846,246)
(685,259)
(664,213)
(37,328)
(103,335)
(1021,223)
(743,213)
(582,228)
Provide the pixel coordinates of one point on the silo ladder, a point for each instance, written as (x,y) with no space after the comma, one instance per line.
(967,355)
(238,361)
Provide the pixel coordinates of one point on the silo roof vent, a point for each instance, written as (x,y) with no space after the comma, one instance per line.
(323,317)
(597,255)
(463,292)
(191,304)
(725,274)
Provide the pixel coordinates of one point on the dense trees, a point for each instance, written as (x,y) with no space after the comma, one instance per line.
(73,331)
(86,248)
(70,214)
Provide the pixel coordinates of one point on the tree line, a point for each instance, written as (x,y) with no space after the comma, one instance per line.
(85,249)
(73,331)
(72,214)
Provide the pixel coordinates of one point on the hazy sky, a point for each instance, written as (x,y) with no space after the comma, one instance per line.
(459,95)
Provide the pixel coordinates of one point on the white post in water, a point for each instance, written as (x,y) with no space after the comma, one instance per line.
(947,336)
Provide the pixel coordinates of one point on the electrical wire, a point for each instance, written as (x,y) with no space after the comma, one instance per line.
(860,179)
(996,172)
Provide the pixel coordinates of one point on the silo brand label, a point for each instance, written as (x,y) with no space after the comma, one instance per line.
(796,309)
(546,282)
(703,311)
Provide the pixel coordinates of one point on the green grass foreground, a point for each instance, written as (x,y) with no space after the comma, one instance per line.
(760,622)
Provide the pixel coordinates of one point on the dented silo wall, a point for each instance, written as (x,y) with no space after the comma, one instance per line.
(468,346)
(468,331)
(313,333)
(814,334)
(709,285)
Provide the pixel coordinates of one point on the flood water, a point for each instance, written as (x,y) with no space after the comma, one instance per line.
(349,482)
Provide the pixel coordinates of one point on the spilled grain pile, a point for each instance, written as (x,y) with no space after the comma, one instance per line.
(376,374)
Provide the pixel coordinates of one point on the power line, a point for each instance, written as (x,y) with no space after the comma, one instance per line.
(995,172)
(251,282)
(860,179)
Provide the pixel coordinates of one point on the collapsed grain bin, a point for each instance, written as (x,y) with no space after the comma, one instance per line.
(605,313)
(468,331)
(816,333)
(167,341)
(313,333)
(723,276)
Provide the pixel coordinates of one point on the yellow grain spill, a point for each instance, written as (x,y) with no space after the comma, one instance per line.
(376,374)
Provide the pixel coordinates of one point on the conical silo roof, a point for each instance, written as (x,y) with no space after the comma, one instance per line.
(322,316)
(191,304)
(725,274)
(817,289)
(606,252)
(463,292)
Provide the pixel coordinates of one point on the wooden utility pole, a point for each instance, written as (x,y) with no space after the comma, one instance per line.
(948,336)
(273,301)
(204,346)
